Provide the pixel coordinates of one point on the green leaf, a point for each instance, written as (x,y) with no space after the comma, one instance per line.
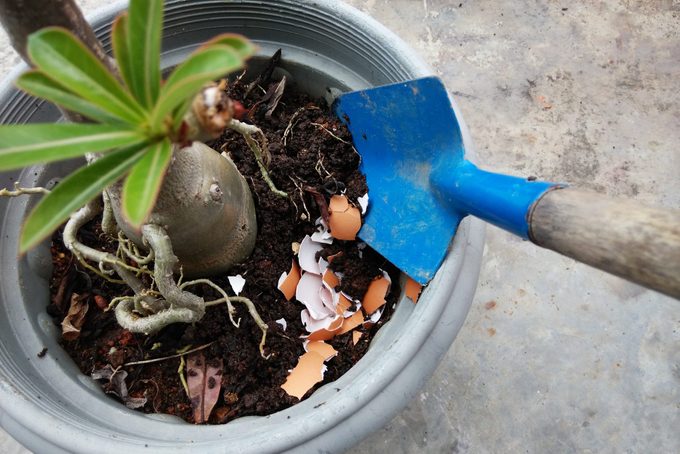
(22,145)
(60,56)
(38,84)
(121,51)
(243,46)
(74,192)
(142,186)
(187,79)
(144,46)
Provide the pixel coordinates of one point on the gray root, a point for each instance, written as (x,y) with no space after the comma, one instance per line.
(180,306)
(109,225)
(260,149)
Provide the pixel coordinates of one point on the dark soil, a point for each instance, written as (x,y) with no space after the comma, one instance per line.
(311,161)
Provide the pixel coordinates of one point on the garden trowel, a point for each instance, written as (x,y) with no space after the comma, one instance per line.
(421,186)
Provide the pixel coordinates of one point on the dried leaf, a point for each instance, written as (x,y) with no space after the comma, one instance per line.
(117,386)
(277,93)
(73,322)
(266,75)
(204,382)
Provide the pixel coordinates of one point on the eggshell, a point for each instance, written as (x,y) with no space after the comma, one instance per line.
(351,322)
(374,318)
(321,348)
(329,333)
(412,289)
(356,335)
(313,324)
(308,372)
(307,255)
(237,282)
(288,281)
(375,295)
(322,235)
(363,203)
(343,305)
(330,278)
(345,220)
(307,293)
(282,322)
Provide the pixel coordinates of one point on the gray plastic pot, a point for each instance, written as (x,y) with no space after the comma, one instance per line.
(50,407)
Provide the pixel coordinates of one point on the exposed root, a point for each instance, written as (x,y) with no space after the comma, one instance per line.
(323,128)
(109,225)
(238,299)
(259,148)
(18,190)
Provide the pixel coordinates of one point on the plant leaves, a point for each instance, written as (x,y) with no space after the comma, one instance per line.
(63,58)
(188,78)
(75,191)
(242,45)
(73,322)
(22,145)
(142,186)
(121,51)
(144,45)
(204,382)
(38,84)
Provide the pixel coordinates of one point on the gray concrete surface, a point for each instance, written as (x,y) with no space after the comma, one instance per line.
(555,356)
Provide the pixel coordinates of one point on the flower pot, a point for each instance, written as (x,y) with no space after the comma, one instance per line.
(49,406)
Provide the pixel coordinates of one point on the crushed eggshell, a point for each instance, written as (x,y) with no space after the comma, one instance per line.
(313,324)
(308,293)
(345,220)
(374,318)
(329,333)
(331,279)
(412,289)
(283,323)
(321,348)
(363,203)
(343,305)
(376,294)
(237,282)
(288,282)
(309,371)
(351,322)
(329,297)
(307,255)
(356,335)
(322,235)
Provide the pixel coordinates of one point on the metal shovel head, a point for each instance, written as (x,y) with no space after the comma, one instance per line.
(404,132)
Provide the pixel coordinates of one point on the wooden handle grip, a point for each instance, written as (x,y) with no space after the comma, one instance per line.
(638,243)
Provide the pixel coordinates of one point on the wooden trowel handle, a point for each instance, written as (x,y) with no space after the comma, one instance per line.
(638,243)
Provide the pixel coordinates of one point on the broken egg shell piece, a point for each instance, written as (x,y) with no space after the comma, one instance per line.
(237,282)
(363,203)
(349,312)
(343,305)
(282,322)
(351,322)
(323,265)
(329,297)
(327,334)
(288,282)
(308,292)
(345,220)
(308,372)
(321,348)
(307,255)
(315,324)
(374,318)
(322,235)
(412,289)
(331,279)
(356,335)
(376,294)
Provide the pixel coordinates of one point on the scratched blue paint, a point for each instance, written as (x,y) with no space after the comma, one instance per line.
(420,185)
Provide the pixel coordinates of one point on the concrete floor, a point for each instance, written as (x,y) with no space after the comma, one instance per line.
(555,356)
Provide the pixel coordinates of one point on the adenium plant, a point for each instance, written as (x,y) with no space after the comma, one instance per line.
(160,188)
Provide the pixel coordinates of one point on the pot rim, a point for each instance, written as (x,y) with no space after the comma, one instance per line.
(317,415)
